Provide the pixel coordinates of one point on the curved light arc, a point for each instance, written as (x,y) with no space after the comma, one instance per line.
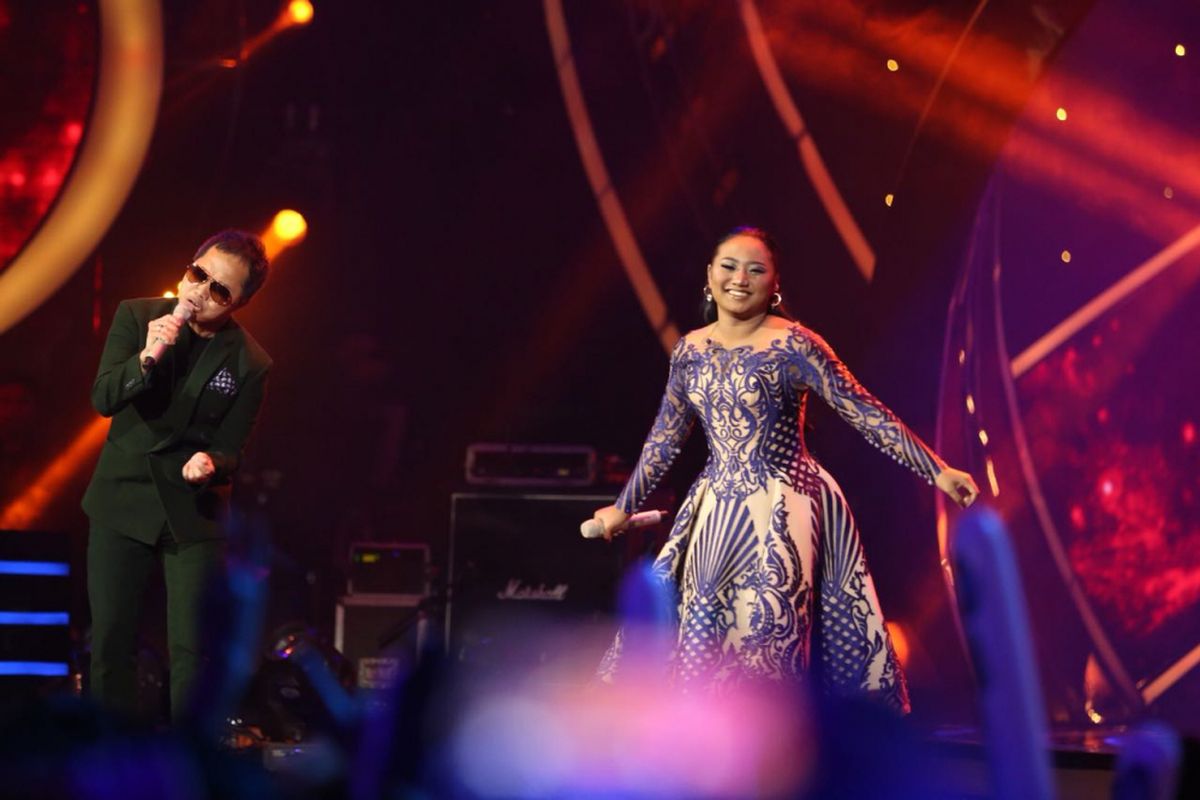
(611,210)
(114,147)
(839,213)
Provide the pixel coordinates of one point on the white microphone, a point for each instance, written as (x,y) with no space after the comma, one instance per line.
(594,528)
(182,312)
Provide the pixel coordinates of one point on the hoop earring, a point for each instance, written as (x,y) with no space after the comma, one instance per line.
(776,300)
(707,295)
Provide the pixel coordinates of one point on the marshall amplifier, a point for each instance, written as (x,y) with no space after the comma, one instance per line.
(525,589)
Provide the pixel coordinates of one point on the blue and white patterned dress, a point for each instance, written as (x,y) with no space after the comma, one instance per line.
(764,552)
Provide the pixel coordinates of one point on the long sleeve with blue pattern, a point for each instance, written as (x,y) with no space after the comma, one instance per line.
(671,428)
(814,363)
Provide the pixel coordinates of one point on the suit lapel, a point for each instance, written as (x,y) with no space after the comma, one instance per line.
(179,414)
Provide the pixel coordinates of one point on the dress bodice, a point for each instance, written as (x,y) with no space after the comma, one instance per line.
(751,404)
(751,410)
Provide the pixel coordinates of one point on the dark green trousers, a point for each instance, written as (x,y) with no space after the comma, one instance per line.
(118,570)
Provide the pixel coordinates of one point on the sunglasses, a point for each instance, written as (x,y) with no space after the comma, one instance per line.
(218,291)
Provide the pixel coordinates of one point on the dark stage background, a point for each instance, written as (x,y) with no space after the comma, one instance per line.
(457,283)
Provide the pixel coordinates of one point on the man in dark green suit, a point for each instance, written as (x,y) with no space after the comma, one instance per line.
(160,489)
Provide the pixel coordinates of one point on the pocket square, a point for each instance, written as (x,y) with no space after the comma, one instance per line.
(223,382)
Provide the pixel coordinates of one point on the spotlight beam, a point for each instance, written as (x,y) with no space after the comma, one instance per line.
(28,507)
(839,213)
(603,189)
(1104,301)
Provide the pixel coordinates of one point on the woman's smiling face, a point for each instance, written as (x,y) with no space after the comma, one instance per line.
(742,277)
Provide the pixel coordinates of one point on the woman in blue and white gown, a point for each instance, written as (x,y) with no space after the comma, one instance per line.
(764,553)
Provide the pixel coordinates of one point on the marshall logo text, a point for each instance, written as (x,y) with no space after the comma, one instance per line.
(515,590)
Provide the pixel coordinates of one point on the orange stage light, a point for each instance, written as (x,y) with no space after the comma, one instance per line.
(899,642)
(289,225)
(287,229)
(299,12)
(23,512)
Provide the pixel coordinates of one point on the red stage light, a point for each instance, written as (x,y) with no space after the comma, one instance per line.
(1078,519)
(1188,432)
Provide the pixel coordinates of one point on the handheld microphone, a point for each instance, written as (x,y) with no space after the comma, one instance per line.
(182,312)
(594,528)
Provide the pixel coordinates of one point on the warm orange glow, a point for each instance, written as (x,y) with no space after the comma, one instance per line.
(289,225)
(300,12)
(1065,256)
(1180,50)
(128,85)
(1114,166)
(23,512)
(810,157)
(992,481)
(1061,113)
(888,199)
(899,643)
(294,14)
(893,65)
(168,293)
(287,229)
(983,437)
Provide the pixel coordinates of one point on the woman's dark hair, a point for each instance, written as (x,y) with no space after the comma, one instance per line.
(246,246)
(708,309)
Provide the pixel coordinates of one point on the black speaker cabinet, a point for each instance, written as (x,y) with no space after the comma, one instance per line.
(525,589)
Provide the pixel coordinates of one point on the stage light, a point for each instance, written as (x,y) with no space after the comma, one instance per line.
(992,481)
(1078,518)
(287,229)
(1061,114)
(299,12)
(1065,256)
(893,65)
(1180,50)
(289,225)
(970,404)
(168,293)
(888,198)
(128,87)
(899,642)
(1168,192)
(1188,433)
(983,437)
(24,511)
